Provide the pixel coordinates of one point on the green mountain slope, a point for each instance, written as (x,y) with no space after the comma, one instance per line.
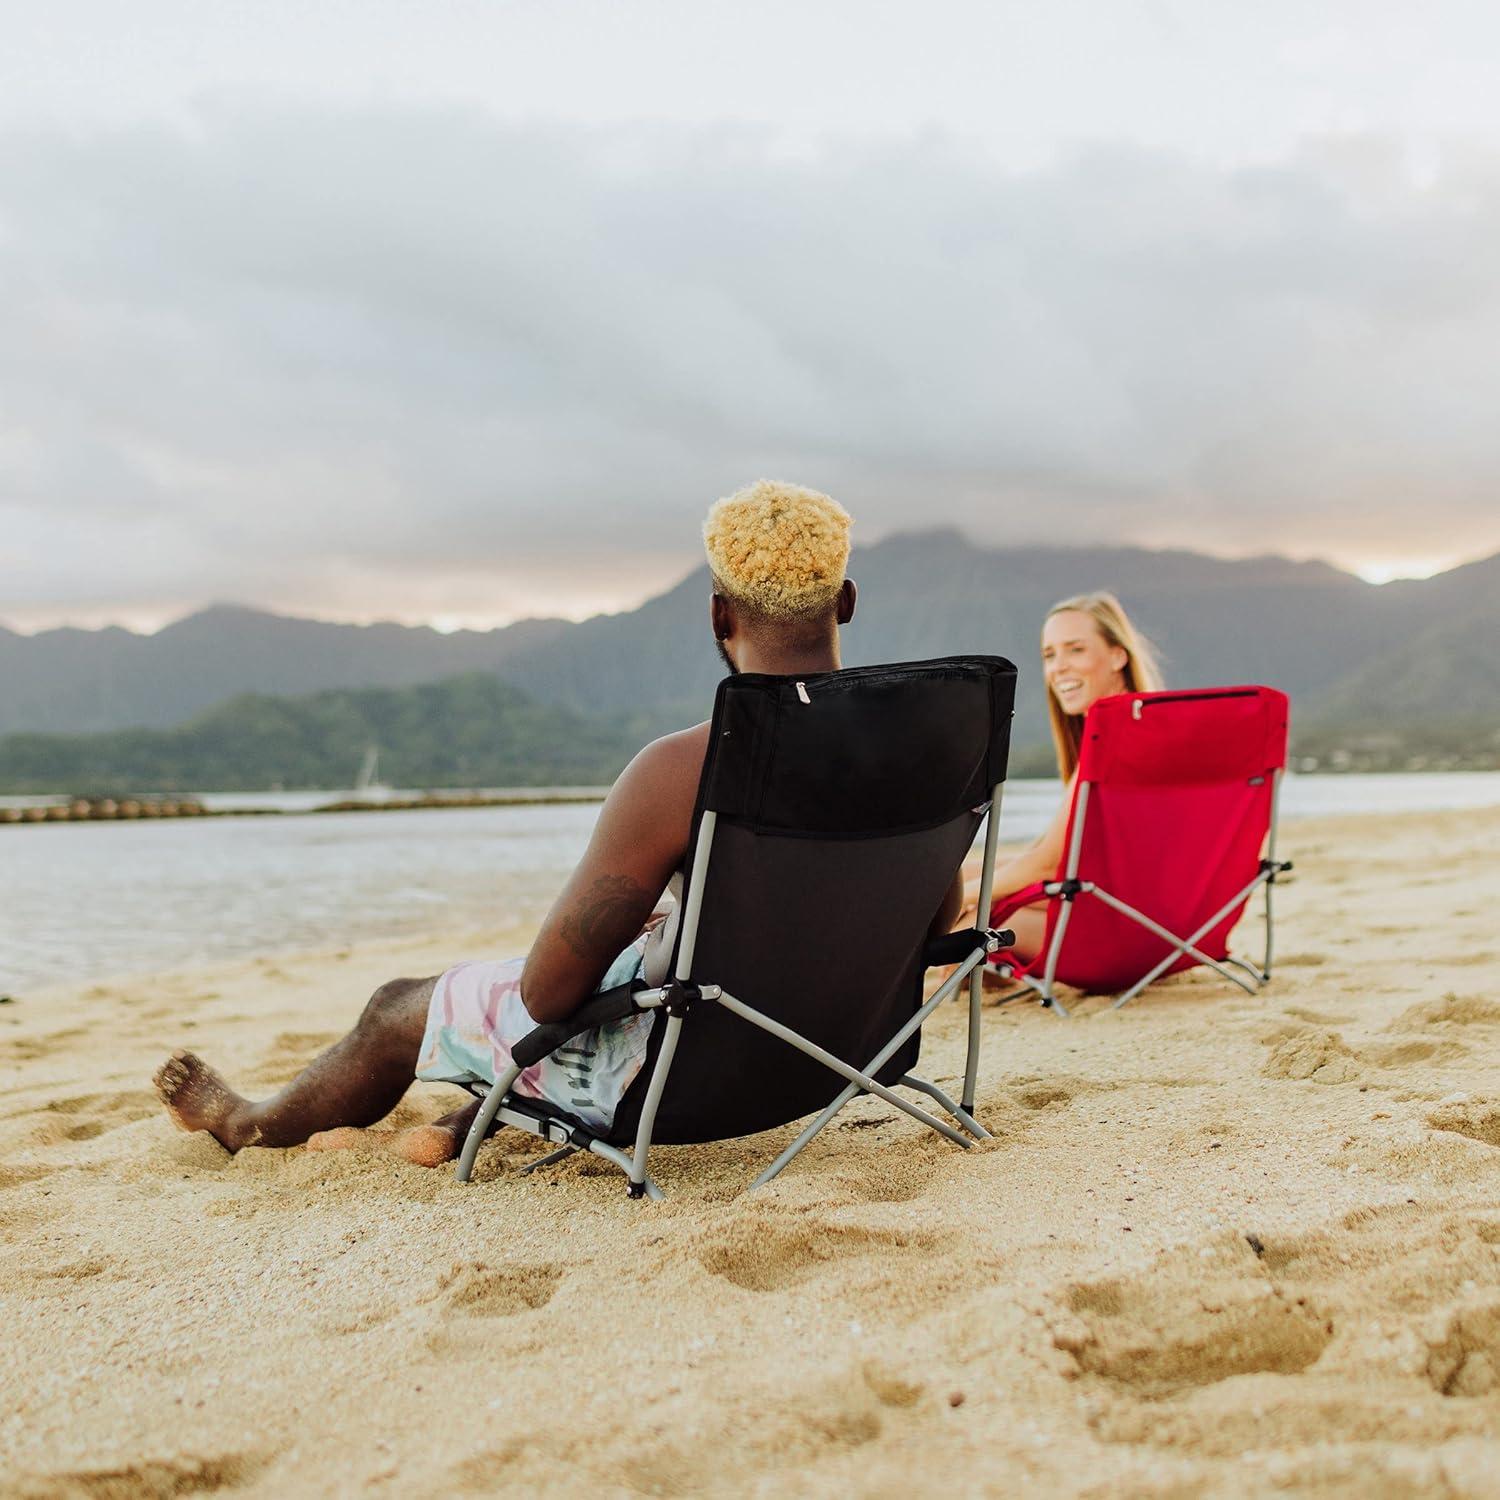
(77,681)
(469,731)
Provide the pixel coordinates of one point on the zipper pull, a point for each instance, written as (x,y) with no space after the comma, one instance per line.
(1135,710)
(802,692)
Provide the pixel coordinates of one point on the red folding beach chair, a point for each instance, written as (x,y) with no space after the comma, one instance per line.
(1173,826)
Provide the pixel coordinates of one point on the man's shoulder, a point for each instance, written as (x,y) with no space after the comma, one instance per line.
(656,792)
(676,758)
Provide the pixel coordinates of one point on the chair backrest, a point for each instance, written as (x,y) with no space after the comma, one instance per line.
(842,805)
(1181,789)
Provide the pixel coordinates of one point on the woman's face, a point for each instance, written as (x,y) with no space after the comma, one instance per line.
(1078,663)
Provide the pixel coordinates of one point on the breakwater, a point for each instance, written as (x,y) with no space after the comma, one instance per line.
(134,809)
(105,809)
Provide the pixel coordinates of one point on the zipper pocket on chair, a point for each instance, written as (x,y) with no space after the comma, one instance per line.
(1141,703)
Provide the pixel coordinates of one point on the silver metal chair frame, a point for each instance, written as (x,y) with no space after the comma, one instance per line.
(499,1104)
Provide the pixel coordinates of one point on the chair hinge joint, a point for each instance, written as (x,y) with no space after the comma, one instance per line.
(997,938)
(678,998)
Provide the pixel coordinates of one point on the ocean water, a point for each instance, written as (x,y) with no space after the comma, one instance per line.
(80,901)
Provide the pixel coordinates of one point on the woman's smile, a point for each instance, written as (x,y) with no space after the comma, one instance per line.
(1079,664)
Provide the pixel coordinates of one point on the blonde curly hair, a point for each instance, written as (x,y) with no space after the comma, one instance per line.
(779,548)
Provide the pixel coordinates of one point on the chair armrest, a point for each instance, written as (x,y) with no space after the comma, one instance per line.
(607,1005)
(955,947)
(1016,900)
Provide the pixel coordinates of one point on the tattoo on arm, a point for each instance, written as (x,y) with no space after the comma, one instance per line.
(606,917)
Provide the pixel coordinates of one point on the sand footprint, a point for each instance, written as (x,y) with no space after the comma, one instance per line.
(1450,1010)
(289,1053)
(1313,1017)
(810,1424)
(1172,1330)
(145,1479)
(34,1048)
(1464,1348)
(1050,1093)
(758,1255)
(1474,1116)
(479,1290)
(1402,1054)
(59,1119)
(1308,1053)
(11,1177)
(73,1271)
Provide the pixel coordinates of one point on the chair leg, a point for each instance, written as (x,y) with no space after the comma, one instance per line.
(647,1187)
(959,1113)
(1265,967)
(483,1120)
(971,1057)
(640,1179)
(808,1131)
(548,1159)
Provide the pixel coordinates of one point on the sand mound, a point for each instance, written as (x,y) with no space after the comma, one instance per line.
(1311,1053)
(1477,1118)
(1171,1330)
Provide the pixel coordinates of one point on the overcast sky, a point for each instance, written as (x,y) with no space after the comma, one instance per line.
(460,312)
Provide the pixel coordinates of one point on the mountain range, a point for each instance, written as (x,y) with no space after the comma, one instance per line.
(469,731)
(1405,665)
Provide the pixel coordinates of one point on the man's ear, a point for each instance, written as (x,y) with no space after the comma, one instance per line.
(721,616)
(847,596)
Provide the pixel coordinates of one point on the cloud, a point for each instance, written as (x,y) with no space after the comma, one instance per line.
(361,359)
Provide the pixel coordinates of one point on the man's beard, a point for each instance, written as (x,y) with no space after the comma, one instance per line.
(730,669)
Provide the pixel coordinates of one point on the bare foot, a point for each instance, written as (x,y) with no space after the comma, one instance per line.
(425,1145)
(348,1138)
(432,1145)
(198,1099)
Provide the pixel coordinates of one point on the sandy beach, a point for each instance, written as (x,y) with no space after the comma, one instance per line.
(1219,1245)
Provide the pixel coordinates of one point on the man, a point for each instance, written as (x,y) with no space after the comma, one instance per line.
(777,554)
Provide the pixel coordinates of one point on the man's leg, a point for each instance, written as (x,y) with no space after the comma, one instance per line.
(357,1081)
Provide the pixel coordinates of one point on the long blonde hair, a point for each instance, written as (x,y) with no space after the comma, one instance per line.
(1141,673)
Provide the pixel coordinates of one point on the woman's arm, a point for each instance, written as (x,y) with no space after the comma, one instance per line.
(1039,861)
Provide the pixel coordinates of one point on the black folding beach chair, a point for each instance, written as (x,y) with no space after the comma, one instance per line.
(832,815)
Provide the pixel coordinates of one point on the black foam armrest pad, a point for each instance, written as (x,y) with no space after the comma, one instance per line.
(955,947)
(952,947)
(607,1005)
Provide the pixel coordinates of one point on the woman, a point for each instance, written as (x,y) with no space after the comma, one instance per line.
(1089,650)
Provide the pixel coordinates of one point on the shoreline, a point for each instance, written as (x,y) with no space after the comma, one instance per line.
(1219,1244)
(131,809)
(518,936)
(40,808)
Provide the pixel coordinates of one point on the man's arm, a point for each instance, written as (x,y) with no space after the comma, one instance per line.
(639,841)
